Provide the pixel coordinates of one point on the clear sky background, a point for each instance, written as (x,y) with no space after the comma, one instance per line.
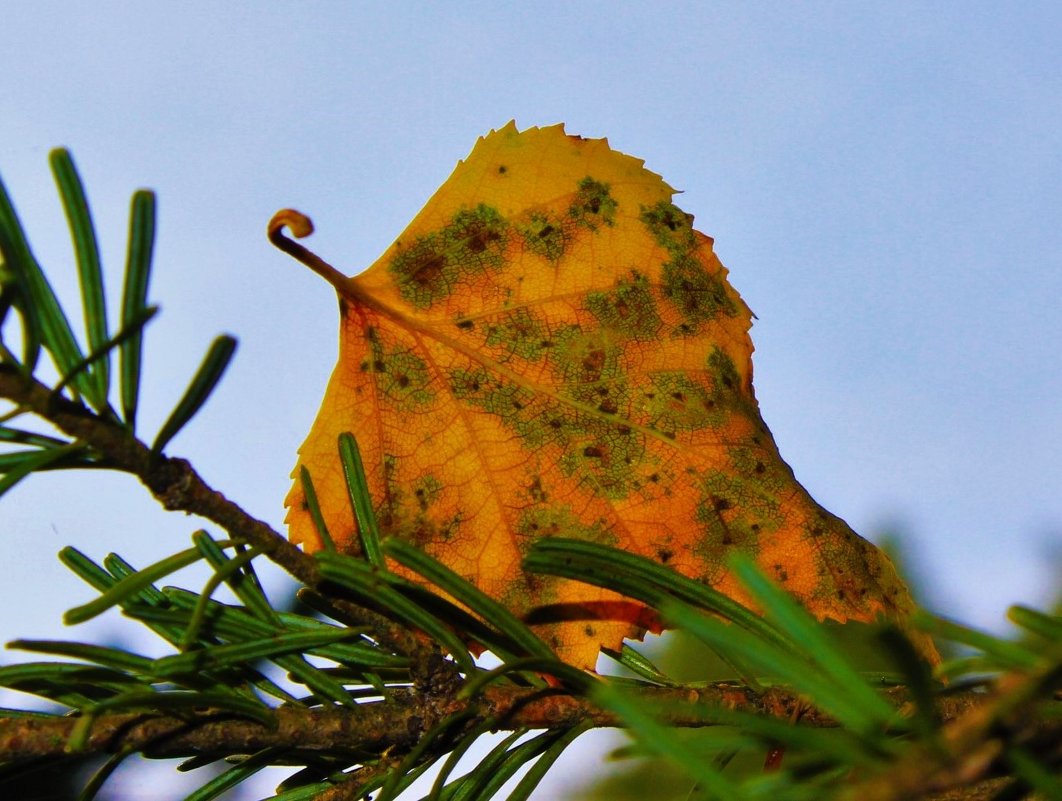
(884,182)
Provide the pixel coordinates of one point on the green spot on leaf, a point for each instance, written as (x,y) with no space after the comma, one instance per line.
(545,237)
(594,205)
(426,490)
(404,509)
(401,376)
(629,309)
(432,267)
(675,402)
(724,373)
(603,457)
(560,521)
(670,226)
(698,295)
(520,333)
(585,357)
(732,514)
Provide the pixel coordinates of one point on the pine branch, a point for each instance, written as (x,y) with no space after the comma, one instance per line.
(400,722)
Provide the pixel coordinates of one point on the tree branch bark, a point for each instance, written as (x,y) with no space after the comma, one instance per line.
(399,723)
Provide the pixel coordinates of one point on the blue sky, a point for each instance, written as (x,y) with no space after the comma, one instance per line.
(882,180)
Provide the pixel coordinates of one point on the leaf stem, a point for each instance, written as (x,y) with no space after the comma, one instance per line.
(301,226)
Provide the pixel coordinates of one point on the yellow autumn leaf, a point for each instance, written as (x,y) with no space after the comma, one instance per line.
(550,348)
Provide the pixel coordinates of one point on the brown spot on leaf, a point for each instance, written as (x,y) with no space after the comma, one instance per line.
(537,493)
(592,364)
(478,236)
(426,269)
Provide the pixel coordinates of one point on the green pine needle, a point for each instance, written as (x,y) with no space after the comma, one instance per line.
(132,585)
(203,383)
(360,499)
(134,298)
(90,274)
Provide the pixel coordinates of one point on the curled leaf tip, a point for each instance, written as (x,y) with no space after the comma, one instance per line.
(301,226)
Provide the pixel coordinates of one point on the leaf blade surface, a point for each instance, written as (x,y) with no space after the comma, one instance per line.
(551,349)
